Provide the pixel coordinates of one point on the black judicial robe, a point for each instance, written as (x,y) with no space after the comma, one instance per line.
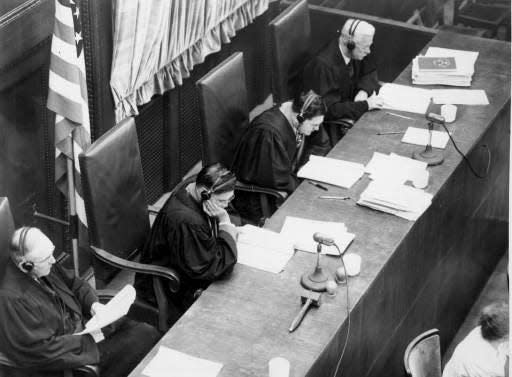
(185,238)
(265,156)
(36,331)
(328,75)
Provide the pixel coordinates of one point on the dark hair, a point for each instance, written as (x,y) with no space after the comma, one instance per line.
(494,321)
(217,178)
(315,108)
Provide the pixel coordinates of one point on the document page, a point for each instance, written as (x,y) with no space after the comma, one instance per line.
(405,98)
(170,363)
(419,136)
(460,96)
(263,249)
(301,231)
(330,170)
(112,311)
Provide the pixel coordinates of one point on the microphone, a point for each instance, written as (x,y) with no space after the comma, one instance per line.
(324,239)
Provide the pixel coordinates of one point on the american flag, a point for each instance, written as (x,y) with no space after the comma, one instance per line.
(67,97)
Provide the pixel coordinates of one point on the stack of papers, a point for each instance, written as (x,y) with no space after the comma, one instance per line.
(400,200)
(419,136)
(301,232)
(444,67)
(263,249)
(168,362)
(394,168)
(333,171)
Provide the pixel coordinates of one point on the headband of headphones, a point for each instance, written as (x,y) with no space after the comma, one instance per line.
(351,31)
(223,180)
(311,96)
(24,265)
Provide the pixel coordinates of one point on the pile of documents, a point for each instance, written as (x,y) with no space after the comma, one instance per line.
(301,231)
(263,249)
(398,199)
(442,66)
(329,170)
(394,168)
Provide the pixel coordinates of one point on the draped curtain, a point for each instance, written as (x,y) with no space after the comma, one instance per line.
(158,42)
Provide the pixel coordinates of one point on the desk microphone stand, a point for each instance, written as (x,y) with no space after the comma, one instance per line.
(315,280)
(428,155)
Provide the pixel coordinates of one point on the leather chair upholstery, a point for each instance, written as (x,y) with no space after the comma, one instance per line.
(224,109)
(291,38)
(422,356)
(117,212)
(225,117)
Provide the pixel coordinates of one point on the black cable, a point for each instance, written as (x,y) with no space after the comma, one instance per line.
(466,159)
(348,312)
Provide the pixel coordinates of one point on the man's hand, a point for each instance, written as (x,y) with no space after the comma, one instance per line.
(97,308)
(361,96)
(212,209)
(375,102)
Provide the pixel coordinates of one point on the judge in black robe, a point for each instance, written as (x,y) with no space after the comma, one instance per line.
(345,77)
(200,247)
(40,314)
(270,152)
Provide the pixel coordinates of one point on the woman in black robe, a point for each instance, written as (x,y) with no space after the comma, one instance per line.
(270,152)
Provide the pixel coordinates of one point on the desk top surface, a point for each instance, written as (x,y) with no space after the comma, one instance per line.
(242,321)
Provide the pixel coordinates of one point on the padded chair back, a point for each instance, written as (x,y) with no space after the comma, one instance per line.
(290,36)
(422,357)
(224,109)
(6,229)
(113,187)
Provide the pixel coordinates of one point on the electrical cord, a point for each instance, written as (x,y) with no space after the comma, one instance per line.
(348,313)
(466,159)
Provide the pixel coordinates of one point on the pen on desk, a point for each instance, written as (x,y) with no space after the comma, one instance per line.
(334,197)
(318,185)
(398,115)
(390,133)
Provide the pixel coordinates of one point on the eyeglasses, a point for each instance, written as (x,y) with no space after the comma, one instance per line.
(225,201)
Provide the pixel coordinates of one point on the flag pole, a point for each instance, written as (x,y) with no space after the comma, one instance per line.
(73,223)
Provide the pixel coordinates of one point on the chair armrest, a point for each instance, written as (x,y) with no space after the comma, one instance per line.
(143,268)
(343,123)
(281,195)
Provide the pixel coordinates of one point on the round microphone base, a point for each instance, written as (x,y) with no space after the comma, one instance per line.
(431,157)
(315,281)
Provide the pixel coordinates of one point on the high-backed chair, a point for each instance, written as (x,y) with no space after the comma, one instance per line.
(225,117)
(290,35)
(422,356)
(117,213)
(7,367)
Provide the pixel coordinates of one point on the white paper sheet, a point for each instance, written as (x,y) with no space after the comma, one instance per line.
(405,98)
(329,170)
(400,200)
(419,136)
(301,231)
(170,363)
(116,308)
(263,249)
(393,167)
(460,96)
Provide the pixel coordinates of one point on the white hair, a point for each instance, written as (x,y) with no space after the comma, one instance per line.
(362,29)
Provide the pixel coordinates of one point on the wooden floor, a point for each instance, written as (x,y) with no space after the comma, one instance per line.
(496,289)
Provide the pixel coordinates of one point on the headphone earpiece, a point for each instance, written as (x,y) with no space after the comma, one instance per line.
(351,45)
(24,265)
(206,195)
(300,118)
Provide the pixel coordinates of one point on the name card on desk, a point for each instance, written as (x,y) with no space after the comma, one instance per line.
(168,362)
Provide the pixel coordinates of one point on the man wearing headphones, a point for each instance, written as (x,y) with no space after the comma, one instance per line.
(42,305)
(194,235)
(345,75)
(270,152)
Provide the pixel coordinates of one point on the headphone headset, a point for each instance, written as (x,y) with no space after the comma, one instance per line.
(24,265)
(207,194)
(351,45)
(305,106)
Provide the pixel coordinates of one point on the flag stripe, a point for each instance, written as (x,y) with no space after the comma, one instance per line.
(72,109)
(64,32)
(66,52)
(70,90)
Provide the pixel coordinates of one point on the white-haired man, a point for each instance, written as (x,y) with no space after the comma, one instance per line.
(43,305)
(345,75)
